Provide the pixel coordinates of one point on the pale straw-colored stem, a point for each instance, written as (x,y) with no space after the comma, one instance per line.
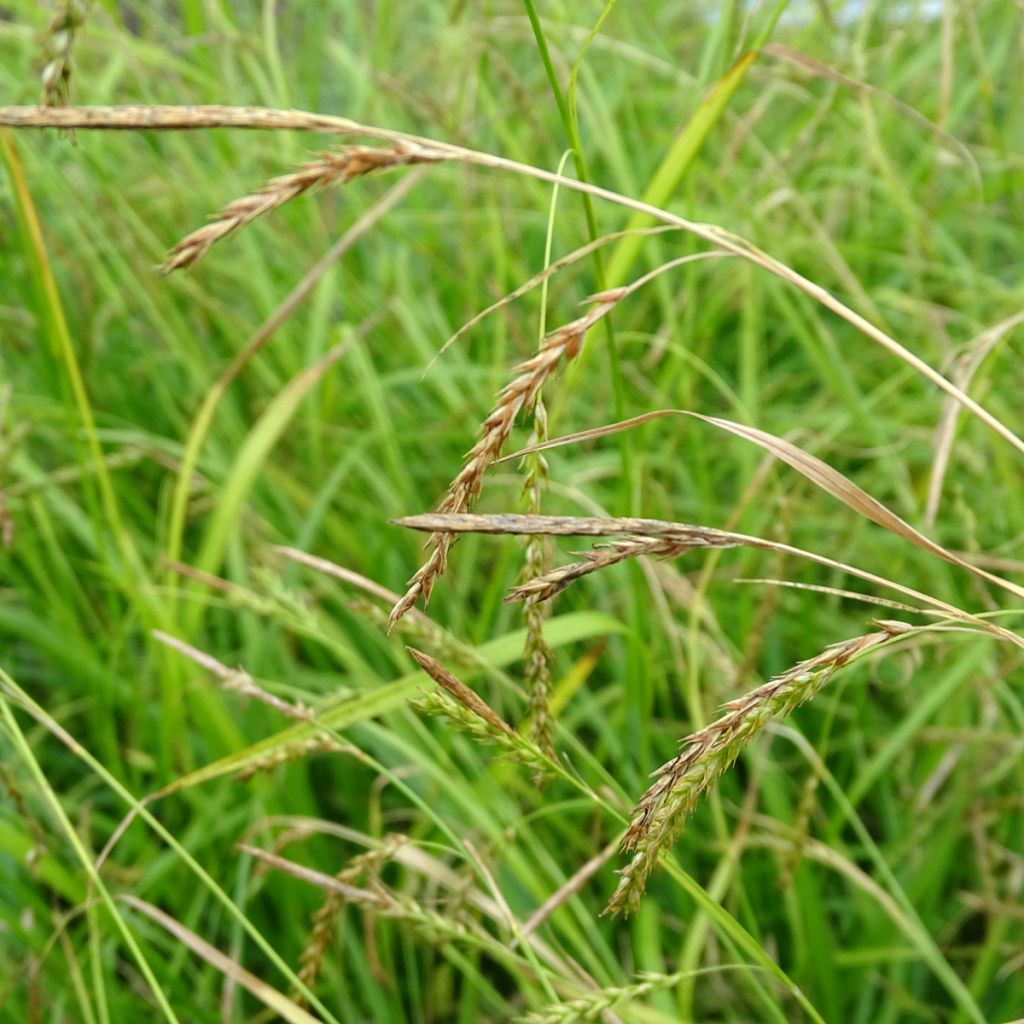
(157,118)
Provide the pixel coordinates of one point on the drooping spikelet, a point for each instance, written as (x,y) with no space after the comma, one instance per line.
(706,754)
(519,395)
(56,47)
(332,168)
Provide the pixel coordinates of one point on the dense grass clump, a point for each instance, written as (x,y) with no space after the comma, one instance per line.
(689,335)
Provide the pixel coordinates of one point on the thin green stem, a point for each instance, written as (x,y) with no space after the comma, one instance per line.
(571,126)
(25,751)
(48,722)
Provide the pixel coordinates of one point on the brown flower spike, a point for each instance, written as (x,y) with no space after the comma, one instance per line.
(517,396)
(706,754)
(331,168)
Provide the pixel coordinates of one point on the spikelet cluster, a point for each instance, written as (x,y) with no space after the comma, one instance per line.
(467,712)
(368,864)
(706,754)
(545,586)
(519,395)
(536,562)
(333,168)
(593,1005)
(56,48)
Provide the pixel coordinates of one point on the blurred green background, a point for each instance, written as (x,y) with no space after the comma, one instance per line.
(871,847)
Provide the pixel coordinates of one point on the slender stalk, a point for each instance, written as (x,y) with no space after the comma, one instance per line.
(186,118)
(571,125)
(22,746)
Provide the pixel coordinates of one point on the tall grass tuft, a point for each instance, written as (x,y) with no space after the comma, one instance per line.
(839,360)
